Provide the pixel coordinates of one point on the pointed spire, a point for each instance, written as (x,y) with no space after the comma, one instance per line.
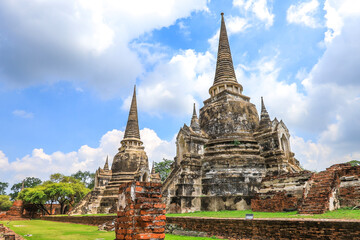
(195,121)
(106,166)
(23,185)
(132,126)
(264,118)
(224,65)
(153,168)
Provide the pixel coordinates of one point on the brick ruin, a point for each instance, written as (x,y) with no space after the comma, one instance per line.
(141,214)
(15,212)
(224,154)
(129,164)
(310,193)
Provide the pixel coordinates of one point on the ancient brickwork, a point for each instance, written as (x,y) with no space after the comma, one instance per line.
(16,211)
(7,234)
(337,186)
(280,229)
(279,202)
(349,190)
(280,193)
(141,214)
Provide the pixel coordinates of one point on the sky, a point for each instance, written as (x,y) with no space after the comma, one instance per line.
(68,68)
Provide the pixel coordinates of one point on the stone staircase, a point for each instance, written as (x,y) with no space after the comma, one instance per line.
(320,193)
(90,203)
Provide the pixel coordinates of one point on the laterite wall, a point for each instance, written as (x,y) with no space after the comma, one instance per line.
(231,228)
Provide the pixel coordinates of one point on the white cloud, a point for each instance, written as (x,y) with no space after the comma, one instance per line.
(257,7)
(22,114)
(336,13)
(83,41)
(304,13)
(282,100)
(42,165)
(4,161)
(319,156)
(174,85)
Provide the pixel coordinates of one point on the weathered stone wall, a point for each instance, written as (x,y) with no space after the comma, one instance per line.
(280,193)
(141,215)
(271,228)
(349,190)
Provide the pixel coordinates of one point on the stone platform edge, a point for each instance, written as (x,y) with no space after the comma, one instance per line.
(265,228)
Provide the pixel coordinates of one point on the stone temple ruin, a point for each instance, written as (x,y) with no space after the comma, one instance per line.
(229,158)
(129,164)
(222,156)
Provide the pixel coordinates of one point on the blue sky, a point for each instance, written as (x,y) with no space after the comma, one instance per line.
(67,69)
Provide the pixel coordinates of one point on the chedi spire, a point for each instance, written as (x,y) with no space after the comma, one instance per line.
(264,117)
(225,78)
(224,65)
(195,121)
(132,126)
(106,166)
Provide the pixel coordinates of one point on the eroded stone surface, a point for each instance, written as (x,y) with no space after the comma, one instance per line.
(221,161)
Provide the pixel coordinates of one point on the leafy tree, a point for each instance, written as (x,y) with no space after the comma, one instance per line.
(163,168)
(56,177)
(85,177)
(29,182)
(61,189)
(5,203)
(3,187)
(35,196)
(354,163)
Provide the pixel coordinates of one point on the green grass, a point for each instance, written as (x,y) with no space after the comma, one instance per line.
(82,215)
(47,230)
(174,237)
(337,214)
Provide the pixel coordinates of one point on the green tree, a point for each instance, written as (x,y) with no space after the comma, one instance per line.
(5,203)
(29,182)
(85,177)
(354,163)
(64,190)
(3,187)
(163,168)
(35,196)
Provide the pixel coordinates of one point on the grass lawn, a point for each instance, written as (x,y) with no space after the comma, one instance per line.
(337,214)
(47,230)
(82,215)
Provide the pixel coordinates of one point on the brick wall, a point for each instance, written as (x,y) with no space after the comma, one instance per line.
(141,215)
(278,203)
(270,228)
(86,220)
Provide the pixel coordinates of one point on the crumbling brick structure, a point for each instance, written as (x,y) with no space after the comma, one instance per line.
(15,212)
(141,214)
(310,193)
(337,186)
(280,193)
